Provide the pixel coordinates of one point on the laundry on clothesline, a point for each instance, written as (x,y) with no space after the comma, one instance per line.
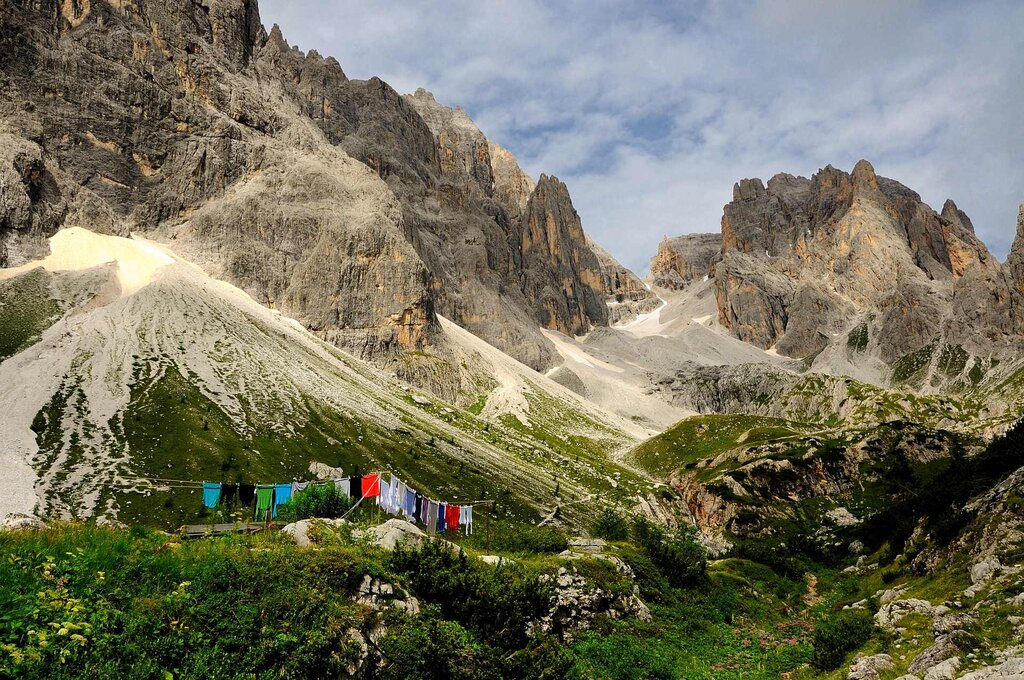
(392,495)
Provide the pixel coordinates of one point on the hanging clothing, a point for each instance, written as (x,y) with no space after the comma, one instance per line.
(432,517)
(344,485)
(391,502)
(385,493)
(282,494)
(211,494)
(417,515)
(399,492)
(409,503)
(299,486)
(371,485)
(264,501)
(442,512)
(356,486)
(228,494)
(246,494)
(452,518)
(466,518)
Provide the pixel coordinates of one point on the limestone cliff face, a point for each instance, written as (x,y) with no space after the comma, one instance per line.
(512,186)
(514,255)
(681,260)
(1015,260)
(625,294)
(805,261)
(189,122)
(463,151)
(560,271)
(354,209)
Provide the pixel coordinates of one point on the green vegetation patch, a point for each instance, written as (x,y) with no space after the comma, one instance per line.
(910,369)
(27,308)
(704,437)
(857,340)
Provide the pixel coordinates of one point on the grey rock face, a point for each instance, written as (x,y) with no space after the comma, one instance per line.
(512,186)
(560,271)
(575,604)
(625,294)
(805,259)
(189,122)
(681,260)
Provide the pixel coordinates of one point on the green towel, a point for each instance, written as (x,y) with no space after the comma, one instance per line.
(264,500)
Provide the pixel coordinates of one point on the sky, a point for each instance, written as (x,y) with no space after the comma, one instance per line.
(651,111)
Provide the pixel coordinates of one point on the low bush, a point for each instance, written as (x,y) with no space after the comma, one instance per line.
(428,647)
(610,525)
(679,556)
(495,603)
(838,634)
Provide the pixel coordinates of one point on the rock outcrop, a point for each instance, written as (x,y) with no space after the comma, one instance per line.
(681,260)
(512,186)
(806,261)
(560,271)
(508,255)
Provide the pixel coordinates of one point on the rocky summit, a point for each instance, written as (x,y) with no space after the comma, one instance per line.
(303,377)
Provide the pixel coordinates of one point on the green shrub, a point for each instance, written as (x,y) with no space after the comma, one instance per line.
(495,603)
(838,634)
(679,556)
(611,525)
(323,500)
(428,647)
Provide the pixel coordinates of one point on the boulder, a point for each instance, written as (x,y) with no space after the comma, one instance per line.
(889,615)
(374,592)
(1010,669)
(299,531)
(945,648)
(944,671)
(588,545)
(111,523)
(870,667)
(842,517)
(396,532)
(17,521)
(575,604)
(324,471)
(984,571)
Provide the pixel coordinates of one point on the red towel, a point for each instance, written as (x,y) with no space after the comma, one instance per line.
(371,485)
(452,517)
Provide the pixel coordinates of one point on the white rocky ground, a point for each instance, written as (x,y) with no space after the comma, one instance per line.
(617,366)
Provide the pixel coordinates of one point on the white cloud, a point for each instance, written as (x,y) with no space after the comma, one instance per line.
(650,112)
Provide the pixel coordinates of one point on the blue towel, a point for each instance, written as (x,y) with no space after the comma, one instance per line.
(282,494)
(211,494)
(409,504)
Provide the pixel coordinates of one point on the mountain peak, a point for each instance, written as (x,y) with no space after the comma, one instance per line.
(864,175)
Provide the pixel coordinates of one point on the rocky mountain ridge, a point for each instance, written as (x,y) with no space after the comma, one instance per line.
(809,267)
(272,169)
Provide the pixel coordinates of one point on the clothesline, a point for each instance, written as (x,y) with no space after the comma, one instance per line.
(394,496)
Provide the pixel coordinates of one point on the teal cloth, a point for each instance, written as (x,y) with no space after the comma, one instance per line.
(282,494)
(211,494)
